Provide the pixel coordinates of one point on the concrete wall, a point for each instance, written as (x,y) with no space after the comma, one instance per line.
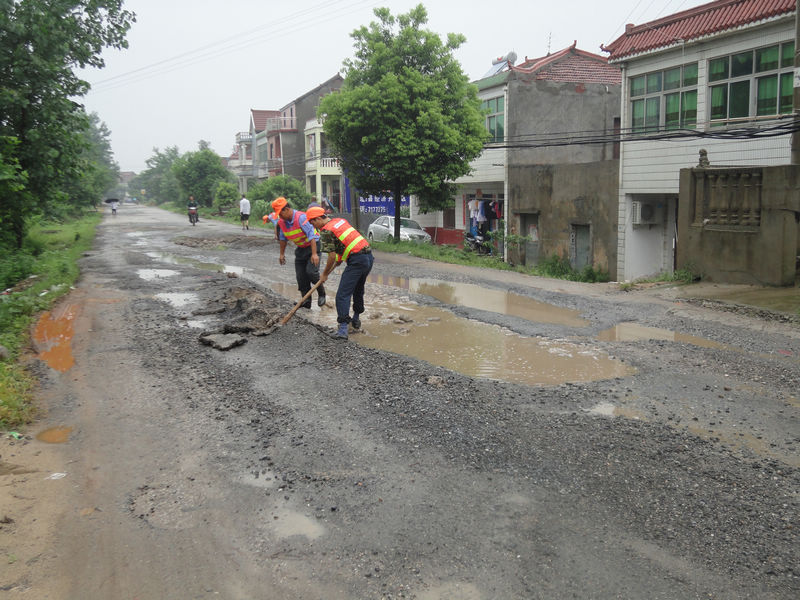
(565,185)
(556,109)
(759,248)
(566,195)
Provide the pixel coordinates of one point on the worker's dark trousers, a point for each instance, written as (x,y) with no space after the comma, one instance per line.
(351,285)
(307,274)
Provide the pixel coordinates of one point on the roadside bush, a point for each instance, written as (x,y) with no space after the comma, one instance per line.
(15,267)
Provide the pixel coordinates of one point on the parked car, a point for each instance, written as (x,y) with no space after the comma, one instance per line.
(382,229)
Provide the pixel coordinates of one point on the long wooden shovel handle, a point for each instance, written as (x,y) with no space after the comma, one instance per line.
(288,316)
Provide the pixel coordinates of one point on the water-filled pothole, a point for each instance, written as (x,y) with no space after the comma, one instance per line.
(439,337)
(633,332)
(488,299)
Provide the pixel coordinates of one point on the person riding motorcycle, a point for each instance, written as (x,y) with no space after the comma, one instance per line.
(193,205)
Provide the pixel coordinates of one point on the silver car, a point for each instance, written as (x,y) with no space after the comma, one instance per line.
(382,229)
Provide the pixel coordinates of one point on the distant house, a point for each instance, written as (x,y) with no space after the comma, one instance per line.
(285,140)
(260,148)
(716,78)
(561,195)
(240,162)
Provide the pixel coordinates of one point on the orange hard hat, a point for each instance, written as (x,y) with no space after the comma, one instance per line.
(314,212)
(270,217)
(278,204)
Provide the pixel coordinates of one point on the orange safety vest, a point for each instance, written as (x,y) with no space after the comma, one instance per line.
(348,235)
(293,231)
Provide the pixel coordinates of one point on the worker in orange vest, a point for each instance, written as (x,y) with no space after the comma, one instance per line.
(294,226)
(343,243)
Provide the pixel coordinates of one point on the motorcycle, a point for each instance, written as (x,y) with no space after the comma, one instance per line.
(192,215)
(477,243)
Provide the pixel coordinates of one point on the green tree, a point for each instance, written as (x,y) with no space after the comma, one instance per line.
(100,173)
(280,185)
(158,180)
(12,184)
(43,42)
(407,119)
(198,174)
(225,196)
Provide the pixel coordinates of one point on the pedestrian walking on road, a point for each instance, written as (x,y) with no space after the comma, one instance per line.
(343,243)
(244,212)
(294,226)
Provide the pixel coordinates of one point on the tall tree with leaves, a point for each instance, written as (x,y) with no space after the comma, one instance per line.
(158,180)
(199,173)
(42,43)
(406,120)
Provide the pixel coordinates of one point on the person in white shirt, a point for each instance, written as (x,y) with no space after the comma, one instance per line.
(244,212)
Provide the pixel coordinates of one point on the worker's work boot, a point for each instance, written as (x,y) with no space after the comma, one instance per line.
(356,322)
(341,333)
(321,299)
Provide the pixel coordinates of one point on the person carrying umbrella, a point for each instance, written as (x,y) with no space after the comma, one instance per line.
(294,226)
(344,243)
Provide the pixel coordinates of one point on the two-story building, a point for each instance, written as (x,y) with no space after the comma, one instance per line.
(717,78)
(240,162)
(531,175)
(285,132)
(324,177)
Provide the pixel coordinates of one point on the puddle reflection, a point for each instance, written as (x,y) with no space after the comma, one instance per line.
(177,300)
(633,332)
(477,349)
(54,332)
(491,300)
(151,274)
(206,266)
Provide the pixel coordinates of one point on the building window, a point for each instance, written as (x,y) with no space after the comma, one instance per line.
(664,99)
(495,118)
(755,83)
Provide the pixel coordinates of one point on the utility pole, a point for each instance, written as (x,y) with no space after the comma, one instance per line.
(796,97)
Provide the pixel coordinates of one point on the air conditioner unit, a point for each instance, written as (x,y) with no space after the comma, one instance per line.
(645,213)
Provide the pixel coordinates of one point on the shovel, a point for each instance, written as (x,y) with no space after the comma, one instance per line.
(288,316)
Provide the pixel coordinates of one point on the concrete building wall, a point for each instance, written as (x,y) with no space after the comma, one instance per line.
(564,196)
(650,170)
(560,192)
(740,225)
(540,108)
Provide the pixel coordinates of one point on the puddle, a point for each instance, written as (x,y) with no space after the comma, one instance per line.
(784,299)
(55,435)
(607,409)
(289,523)
(491,300)
(206,266)
(633,332)
(743,440)
(176,299)
(472,348)
(53,333)
(260,480)
(151,274)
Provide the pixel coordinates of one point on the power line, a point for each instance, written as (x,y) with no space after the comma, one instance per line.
(322,13)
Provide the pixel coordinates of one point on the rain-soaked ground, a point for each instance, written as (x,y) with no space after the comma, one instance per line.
(395,322)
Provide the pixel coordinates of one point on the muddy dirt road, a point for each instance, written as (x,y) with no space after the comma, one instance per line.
(489,435)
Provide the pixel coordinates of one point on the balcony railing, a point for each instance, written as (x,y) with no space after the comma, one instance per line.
(243,137)
(280,123)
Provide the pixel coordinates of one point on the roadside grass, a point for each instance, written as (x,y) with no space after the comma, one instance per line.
(680,276)
(33,278)
(554,266)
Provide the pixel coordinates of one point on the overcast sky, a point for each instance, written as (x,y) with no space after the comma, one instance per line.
(195,68)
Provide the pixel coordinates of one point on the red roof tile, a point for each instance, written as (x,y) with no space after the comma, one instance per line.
(707,19)
(571,65)
(259,118)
